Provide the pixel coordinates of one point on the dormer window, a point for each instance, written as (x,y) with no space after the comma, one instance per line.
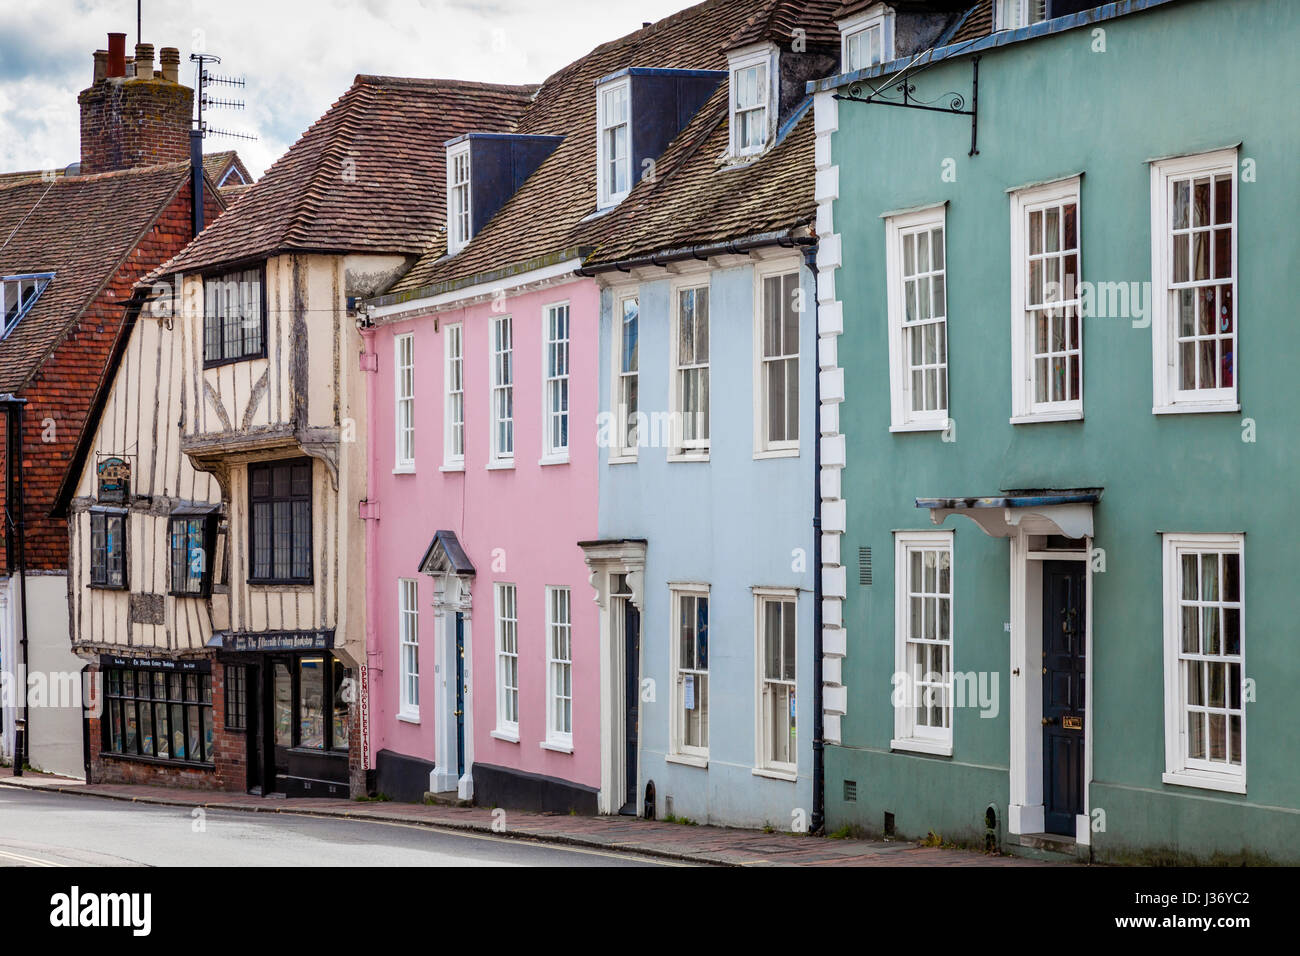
(1013,14)
(753,77)
(614,144)
(18,294)
(867,40)
(459,222)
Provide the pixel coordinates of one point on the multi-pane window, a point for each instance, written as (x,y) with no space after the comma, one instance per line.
(556,386)
(454,396)
(749,106)
(691,671)
(190,546)
(108,549)
(404,373)
(1048,349)
(503,390)
(777,626)
(458,197)
(161,714)
(628,375)
(614,143)
(236,697)
(691,371)
(18,294)
(918,323)
(408,615)
(864,48)
(507,641)
(559,649)
(1205,720)
(779,363)
(280,502)
(1194,319)
(232,317)
(923,635)
(1011,14)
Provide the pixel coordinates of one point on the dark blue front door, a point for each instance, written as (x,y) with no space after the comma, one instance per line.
(1064,647)
(460,695)
(632,700)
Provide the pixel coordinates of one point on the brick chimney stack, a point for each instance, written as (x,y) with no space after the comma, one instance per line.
(132,115)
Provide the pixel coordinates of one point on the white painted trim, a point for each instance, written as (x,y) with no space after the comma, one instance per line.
(558,745)
(880,15)
(763,766)
(619,454)
(605,196)
(1024,408)
(769,269)
(678,752)
(497,459)
(901,415)
(505,729)
(921,746)
(1203,781)
(676,451)
(558,739)
(456,242)
(504,735)
(556,456)
(761,54)
(688,760)
(403,465)
(484,290)
(1166,395)
(451,461)
(906,735)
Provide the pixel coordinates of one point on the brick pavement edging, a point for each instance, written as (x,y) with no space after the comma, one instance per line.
(711,845)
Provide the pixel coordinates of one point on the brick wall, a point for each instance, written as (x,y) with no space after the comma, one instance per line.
(127,123)
(230,754)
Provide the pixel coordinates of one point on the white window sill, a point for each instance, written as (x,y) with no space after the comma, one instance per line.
(919,427)
(622,460)
(773,774)
(1035,417)
(776,453)
(688,760)
(404,470)
(1205,781)
(505,464)
(559,746)
(689,456)
(510,737)
(409,717)
(938,748)
(560,459)
(453,466)
(1193,408)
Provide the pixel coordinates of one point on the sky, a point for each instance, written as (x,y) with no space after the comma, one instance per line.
(297,56)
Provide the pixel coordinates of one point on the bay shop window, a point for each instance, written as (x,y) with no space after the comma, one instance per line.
(160,711)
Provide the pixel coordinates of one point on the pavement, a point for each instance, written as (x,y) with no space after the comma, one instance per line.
(650,839)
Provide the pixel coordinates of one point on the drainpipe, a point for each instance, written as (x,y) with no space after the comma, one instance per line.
(818,821)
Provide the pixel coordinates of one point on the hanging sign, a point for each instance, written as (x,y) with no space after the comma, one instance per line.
(114,476)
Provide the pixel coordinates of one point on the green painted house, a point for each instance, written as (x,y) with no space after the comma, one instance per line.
(1058,356)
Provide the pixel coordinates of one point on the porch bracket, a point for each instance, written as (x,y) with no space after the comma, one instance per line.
(905,98)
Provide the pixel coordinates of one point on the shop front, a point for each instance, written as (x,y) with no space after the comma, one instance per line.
(289,694)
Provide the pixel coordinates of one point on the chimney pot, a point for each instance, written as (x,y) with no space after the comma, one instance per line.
(144,61)
(101,65)
(170,61)
(117,54)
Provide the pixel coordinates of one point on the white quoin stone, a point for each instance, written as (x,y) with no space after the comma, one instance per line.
(827,184)
(832,612)
(833,516)
(830,481)
(835,581)
(830,549)
(832,385)
(833,449)
(828,353)
(829,252)
(826,117)
(825,285)
(822,151)
(835,641)
(831,729)
(830,418)
(830,318)
(835,699)
(831,669)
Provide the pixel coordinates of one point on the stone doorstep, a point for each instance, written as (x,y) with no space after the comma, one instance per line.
(748,849)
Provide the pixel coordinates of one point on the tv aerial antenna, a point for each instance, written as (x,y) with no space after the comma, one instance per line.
(206,100)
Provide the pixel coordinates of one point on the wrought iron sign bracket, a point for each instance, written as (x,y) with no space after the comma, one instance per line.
(904,87)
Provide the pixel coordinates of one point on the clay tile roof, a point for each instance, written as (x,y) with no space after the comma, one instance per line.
(777,20)
(850,7)
(694,201)
(544,218)
(218,165)
(81,228)
(978,23)
(368,176)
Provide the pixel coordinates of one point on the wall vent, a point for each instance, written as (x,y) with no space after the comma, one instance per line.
(850,791)
(864,566)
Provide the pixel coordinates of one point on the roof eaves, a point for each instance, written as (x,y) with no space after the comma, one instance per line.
(480,278)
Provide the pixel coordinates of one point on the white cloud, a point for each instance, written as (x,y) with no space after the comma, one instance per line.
(298,56)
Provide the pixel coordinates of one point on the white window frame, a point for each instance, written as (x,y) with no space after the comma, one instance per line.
(679,750)
(453,397)
(620,451)
(556,383)
(501,382)
(1014,14)
(1168,396)
(1024,408)
(559,626)
(908,735)
(902,417)
(607,196)
(879,18)
(460,223)
(11,296)
(404,403)
(763,763)
(684,449)
(763,446)
(505,604)
(766,56)
(1180,769)
(408,629)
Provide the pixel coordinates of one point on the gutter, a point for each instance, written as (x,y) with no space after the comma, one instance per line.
(784,237)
